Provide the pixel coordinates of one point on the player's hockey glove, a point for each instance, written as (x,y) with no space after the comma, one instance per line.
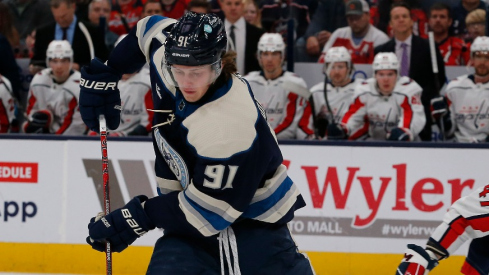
(417,261)
(38,123)
(336,132)
(121,227)
(99,95)
(438,108)
(399,134)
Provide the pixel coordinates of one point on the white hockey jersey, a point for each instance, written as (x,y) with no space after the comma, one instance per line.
(7,105)
(466,220)
(60,99)
(469,109)
(376,115)
(339,99)
(136,98)
(288,112)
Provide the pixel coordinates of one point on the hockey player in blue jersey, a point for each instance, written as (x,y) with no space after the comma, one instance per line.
(224,195)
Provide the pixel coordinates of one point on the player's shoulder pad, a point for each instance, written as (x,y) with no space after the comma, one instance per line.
(290,76)
(152,27)
(42,77)
(226,126)
(7,83)
(318,88)
(75,77)
(462,81)
(253,76)
(408,86)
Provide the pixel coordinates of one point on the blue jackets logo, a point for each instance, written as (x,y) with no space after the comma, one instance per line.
(173,159)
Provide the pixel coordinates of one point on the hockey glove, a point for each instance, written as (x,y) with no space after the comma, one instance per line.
(417,261)
(399,134)
(121,227)
(439,108)
(336,132)
(39,122)
(99,95)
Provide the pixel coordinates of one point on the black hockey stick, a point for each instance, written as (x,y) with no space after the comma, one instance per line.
(434,66)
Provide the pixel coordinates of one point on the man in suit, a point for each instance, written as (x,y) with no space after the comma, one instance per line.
(86,40)
(242,37)
(413,52)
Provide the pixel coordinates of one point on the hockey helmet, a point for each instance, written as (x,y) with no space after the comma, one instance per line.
(385,61)
(480,44)
(195,40)
(59,49)
(119,39)
(271,42)
(337,54)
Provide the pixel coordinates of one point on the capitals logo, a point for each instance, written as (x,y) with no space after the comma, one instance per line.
(173,159)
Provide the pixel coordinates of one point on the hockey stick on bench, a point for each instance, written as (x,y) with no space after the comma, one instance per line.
(105,175)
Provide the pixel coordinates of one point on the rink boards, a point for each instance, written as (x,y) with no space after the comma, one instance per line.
(365,201)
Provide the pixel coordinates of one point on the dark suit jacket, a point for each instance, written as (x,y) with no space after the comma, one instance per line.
(253,35)
(420,70)
(81,52)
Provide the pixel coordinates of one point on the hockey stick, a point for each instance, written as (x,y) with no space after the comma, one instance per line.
(105,175)
(434,66)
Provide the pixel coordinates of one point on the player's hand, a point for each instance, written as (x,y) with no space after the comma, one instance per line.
(416,261)
(99,95)
(336,131)
(399,134)
(438,108)
(121,227)
(38,123)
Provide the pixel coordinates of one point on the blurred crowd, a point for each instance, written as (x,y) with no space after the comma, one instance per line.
(408,43)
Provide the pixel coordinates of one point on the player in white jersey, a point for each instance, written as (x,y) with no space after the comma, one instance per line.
(468,99)
(466,220)
(7,105)
(331,102)
(52,103)
(385,107)
(288,110)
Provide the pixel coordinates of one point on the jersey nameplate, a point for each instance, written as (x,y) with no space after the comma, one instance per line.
(173,159)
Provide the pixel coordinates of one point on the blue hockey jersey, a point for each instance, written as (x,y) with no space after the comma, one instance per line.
(217,159)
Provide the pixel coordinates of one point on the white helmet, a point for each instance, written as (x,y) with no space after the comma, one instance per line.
(480,44)
(385,61)
(59,49)
(337,54)
(271,42)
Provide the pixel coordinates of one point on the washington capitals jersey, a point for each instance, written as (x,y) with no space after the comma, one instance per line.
(467,219)
(7,106)
(288,112)
(217,159)
(136,99)
(376,115)
(468,103)
(362,53)
(339,99)
(59,99)
(454,51)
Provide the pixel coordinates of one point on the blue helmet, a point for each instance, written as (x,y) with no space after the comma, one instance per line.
(196,39)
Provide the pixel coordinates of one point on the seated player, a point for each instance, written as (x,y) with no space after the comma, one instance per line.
(52,103)
(331,101)
(287,109)
(7,105)
(466,98)
(466,220)
(385,107)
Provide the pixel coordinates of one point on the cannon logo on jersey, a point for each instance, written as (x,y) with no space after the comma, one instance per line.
(173,159)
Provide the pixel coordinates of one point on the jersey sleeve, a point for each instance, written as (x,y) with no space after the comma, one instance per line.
(467,219)
(134,50)
(413,117)
(354,119)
